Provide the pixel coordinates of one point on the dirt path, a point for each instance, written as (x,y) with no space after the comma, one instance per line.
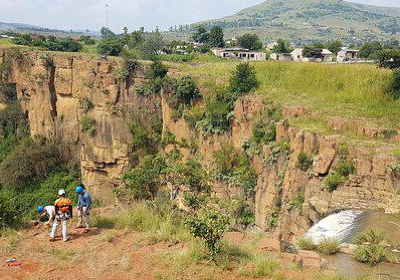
(102,254)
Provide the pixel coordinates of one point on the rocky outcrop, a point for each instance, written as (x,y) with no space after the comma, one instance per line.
(59,91)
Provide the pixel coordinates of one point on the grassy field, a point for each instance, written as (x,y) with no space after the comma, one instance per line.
(350,91)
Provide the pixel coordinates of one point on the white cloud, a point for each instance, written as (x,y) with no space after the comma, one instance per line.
(91,14)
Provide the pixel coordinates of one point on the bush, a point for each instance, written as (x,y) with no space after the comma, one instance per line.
(217,118)
(244,214)
(304,161)
(88,125)
(13,121)
(209,225)
(144,179)
(243,79)
(394,91)
(184,93)
(110,46)
(328,247)
(146,133)
(371,236)
(333,181)
(345,168)
(235,168)
(307,244)
(371,254)
(156,70)
(30,161)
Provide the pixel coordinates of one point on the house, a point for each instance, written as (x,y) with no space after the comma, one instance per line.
(281,56)
(326,55)
(347,55)
(297,55)
(239,53)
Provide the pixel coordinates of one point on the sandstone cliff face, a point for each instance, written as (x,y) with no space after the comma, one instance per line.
(59,90)
(59,96)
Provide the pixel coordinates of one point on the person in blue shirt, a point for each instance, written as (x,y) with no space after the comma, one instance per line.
(84,207)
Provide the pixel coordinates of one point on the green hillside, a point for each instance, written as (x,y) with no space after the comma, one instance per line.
(303,21)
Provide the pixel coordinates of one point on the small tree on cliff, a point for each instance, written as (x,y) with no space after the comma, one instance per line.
(243,80)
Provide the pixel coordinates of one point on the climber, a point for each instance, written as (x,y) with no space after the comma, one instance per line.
(84,207)
(63,211)
(47,214)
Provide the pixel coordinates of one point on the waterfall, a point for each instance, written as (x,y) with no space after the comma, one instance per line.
(340,226)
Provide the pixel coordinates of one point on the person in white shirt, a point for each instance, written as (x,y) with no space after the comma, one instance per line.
(47,214)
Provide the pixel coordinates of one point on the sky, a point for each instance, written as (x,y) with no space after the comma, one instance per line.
(91,14)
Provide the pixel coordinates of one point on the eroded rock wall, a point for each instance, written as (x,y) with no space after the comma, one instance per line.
(59,90)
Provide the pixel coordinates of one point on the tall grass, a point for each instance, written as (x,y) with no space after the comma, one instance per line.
(355,91)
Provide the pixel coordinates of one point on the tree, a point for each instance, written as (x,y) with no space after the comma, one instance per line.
(106,33)
(250,41)
(312,52)
(110,46)
(388,59)
(243,79)
(217,37)
(210,225)
(201,35)
(282,47)
(150,46)
(370,49)
(334,46)
(391,59)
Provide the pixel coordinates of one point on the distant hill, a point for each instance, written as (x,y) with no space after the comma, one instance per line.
(28,28)
(304,21)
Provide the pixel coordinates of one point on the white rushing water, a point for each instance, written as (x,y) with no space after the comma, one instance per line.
(339,226)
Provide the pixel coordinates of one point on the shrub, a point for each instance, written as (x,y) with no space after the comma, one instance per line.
(371,254)
(345,168)
(146,132)
(243,79)
(328,247)
(30,161)
(307,244)
(144,179)
(88,125)
(244,214)
(209,225)
(333,181)
(86,104)
(9,214)
(156,70)
(304,161)
(13,121)
(217,118)
(371,236)
(169,138)
(264,132)
(394,90)
(235,168)
(110,46)
(7,145)
(298,201)
(184,93)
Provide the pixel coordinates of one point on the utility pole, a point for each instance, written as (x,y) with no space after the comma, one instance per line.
(107,15)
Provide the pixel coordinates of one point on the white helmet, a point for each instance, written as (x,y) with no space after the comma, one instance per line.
(61,192)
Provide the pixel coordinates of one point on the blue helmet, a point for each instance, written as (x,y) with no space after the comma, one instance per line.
(79,189)
(40,209)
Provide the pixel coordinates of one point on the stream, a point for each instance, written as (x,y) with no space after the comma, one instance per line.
(343,227)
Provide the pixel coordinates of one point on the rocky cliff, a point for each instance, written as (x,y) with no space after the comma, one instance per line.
(60,92)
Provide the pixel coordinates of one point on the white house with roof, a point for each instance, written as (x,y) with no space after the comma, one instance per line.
(297,56)
(239,53)
(347,55)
